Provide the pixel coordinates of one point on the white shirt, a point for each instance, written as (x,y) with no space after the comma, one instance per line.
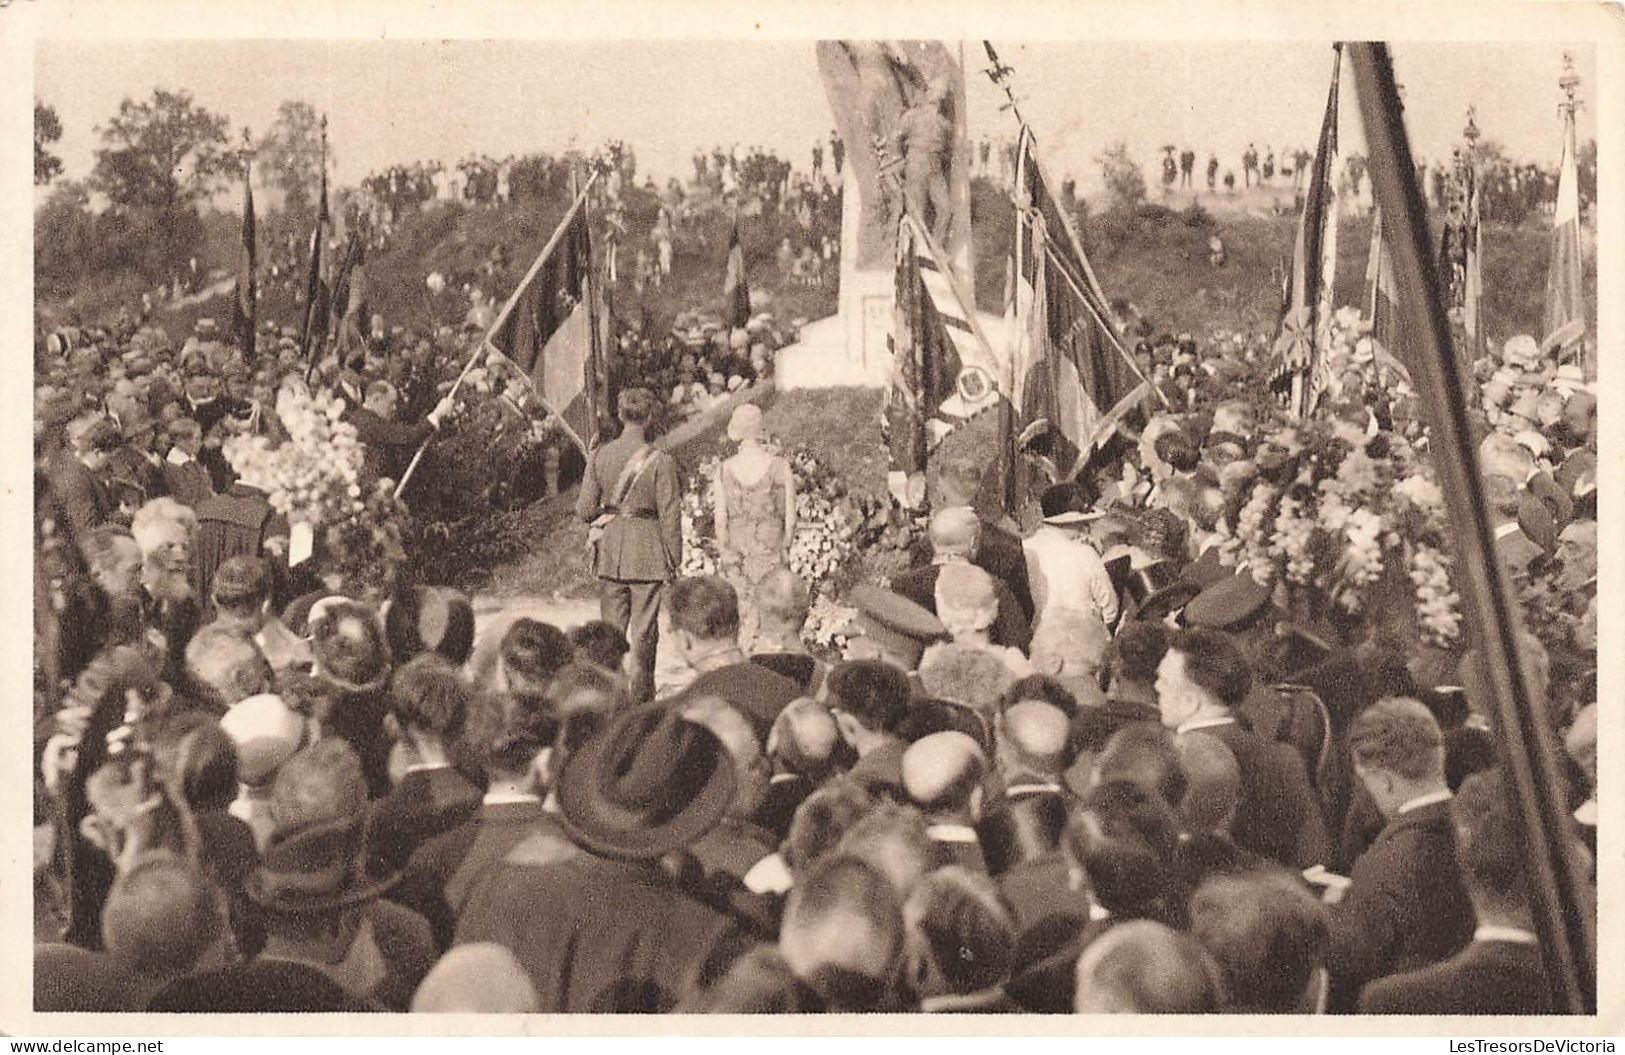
(1066,572)
(1202,723)
(1516,935)
(1429,799)
(503,798)
(950,833)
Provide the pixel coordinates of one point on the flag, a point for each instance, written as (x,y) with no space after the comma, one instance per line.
(1472,306)
(735,290)
(944,371)
(316,292)
(549,332)
(350,294)
(1388,327)
(1565,306)
(243,304)
(1301,371)
(1067,361)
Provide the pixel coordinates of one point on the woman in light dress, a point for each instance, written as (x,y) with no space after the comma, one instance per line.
(756,514)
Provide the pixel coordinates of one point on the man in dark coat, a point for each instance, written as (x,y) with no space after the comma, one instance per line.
(1405,906)
(237,523)
(1201,680)
(960,482)
(704,615)
(82,497)
(619,933)
(185,478)
(1500,972)
(631,498)
(955,538)
(389,444)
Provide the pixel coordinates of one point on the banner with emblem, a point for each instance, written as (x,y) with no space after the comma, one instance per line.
(944,369)
(1565,300)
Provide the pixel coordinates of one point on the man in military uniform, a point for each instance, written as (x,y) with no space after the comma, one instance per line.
(631,498)
(924,140)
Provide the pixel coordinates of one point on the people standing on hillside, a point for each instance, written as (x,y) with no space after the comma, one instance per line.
(1212,173)
(818,159)
(1249,166)
(1269,165)
(1187,167)
(631,497)
(756,514)
(837,151)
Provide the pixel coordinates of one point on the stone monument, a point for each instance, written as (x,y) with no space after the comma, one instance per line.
(900,109)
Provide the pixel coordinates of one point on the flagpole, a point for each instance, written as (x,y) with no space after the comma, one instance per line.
(502,317)
(998,75)
(313,279)
(253,247)
(1562,901)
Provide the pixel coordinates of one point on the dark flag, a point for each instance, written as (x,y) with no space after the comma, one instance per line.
(549,334)
(1301,369)
(1072,380)
(316,292)
(1388,328)
(243,304)
(735,290)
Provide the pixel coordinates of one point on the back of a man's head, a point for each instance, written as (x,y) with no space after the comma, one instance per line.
(1136,651)
(507,730)
(584,699)
(161,916)
(533,653)
(1144,968)
(321,783)
(954,532)
(1399,736)
(821,821)
(894,840)
(429,696)
(961,932)
(1143,754)
(843,924)
(1489,843)
(225,662)
(1215,664)
(872,691)
(348,643)
(241,586)
(1125,838)
(705,607)
(1212,783)
(600,643)
(966,674)
(803,738)
(1268,934)
(942,771)
(478,978)
(1069,643)
(1032,738)
(781,599)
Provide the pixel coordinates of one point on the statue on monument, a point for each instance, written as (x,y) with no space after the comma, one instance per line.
(925,139)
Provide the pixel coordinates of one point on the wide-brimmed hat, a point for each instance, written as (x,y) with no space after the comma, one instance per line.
(1068,503)
(650,783)
(315,868)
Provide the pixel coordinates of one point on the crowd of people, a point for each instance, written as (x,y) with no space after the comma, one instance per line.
(1089,770)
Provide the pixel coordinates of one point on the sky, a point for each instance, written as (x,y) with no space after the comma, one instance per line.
(401,100)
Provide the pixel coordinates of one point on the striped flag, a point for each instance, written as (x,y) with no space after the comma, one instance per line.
(944,371)
(549,334)
(1070,374)
(1301,372)
(243,304)
(1565,305)
(735,289)
(1388,328)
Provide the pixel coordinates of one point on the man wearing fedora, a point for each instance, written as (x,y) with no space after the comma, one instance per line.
(631,499)
(619,934)
(1064,569)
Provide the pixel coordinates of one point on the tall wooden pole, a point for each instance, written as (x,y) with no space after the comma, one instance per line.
(1559,889)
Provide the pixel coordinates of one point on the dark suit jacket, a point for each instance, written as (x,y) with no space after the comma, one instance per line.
(644,543)
(1405,906)
(1010,629)
(1516,551)
(389,444)
(751,689)
(602,936)
(188,484)
(1279,815)
(82,499)
(232,524)
(1485,978)
(426,803)
(999,553)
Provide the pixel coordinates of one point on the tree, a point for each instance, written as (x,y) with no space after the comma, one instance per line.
(292,153)
(1122,175)
(47,130)
(165,154)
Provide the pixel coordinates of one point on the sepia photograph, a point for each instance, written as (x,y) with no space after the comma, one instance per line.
(1036,520)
